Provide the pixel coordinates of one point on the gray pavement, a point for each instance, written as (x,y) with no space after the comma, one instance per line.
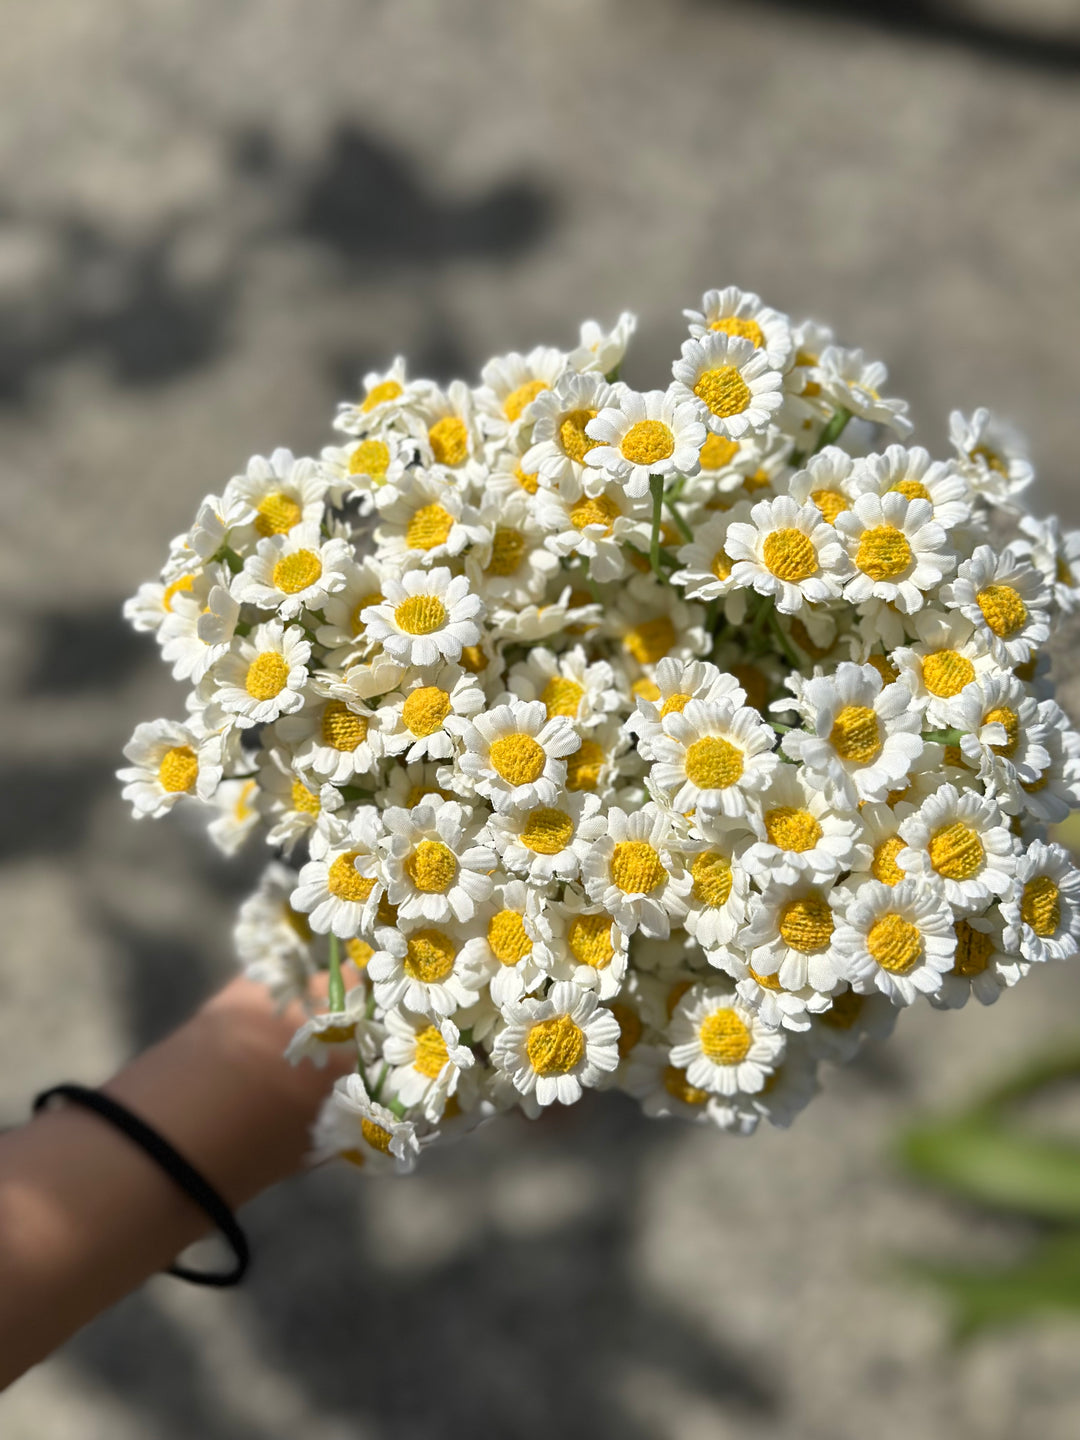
(212,219)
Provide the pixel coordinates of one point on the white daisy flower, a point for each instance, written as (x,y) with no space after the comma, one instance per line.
(1042,918)
(348,1029)
(994,455)
(790,1089)
(559,416)
(388,396)
(898,551)
(957,842)
(723,1047)
(567,685)
(332,740)
(600,349)
(292,805)
(1057,790)
(1055,554)
(946,656)
(912,473)
(434,869)
(341,630)
(741,313)
(362,467)
(449,429)
(825,482)
(802,833)
(424,521)
(790,933)
(862,737)
(716,904)
(421,717)
(595,527)
(662,1088)
(838,1033)
(265,675)
(427,1060)
(353,1127)
(645,434)
(516,756)
(238,815)
(512,564)
(426,614)
(713,757)
(735,381)
(1006,599)
(635,872)
(267,925)
(981,967)
(793,1010)
(340,886)
(425,969)
(1004,734)
(549,841)
(707,572)
(200,625)
(509,385)
(673,685)
(512,953)
(281,492)
(789,552)
(554,1048)
(876,855)
(848,380)
(585,945)
(652,621)
(169,762)
(294,571)
(898,939)
(153,600)
(220,524)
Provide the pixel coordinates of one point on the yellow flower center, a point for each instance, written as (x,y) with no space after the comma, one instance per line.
(789,554)
(547,831)
(432,867)
(651,640)
(178,769)
(806,924)
(1003,610)
(718,452)
(1006,717)
(528,480)
(359,952)
(883,867)
(855,734)
(647,689)
(276,514)
(630,1027)
(334,1034)
(575,442)
(883,552)
(636,867)
(297,571)
(346,883)
(584,765)
(946,672)
(377,1136)
(473,659)
(1040,906)
(675,704)
(425,709)
(507,937)
(957,852)
(555,1046)
(380,394)
(677,1085)
(178,587)
(431,1053)
(449,440)
(429,526)
(647,442)
(297,922)
(420,615)
(743,329)
(895,943)
(713,763)
(267,675)
(831,503)
(429,957)
(791,829)
(303,799)
(721,565)
(507,551)
(724,391)
(341,728)
(725,1039)
(844,1010)
(374,597)
(371,457)
(517,758)
(594,510)
(973,950)
(589,939)
(712,877)
(911,489)
(524,395)
(767,982)
(562,696)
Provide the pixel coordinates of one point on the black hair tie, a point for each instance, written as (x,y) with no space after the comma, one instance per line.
(176,1167)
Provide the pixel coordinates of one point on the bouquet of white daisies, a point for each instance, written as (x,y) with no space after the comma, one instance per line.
(671,741)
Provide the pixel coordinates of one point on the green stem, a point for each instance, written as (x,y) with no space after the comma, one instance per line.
(380,1082)
(680,524)
(230,557)
(782,639)
(780,727)
(656,489)
(353,793)
(761,618)
(833,430)
(335,995)
(944,737)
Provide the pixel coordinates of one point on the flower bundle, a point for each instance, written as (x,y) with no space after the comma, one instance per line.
(673,741)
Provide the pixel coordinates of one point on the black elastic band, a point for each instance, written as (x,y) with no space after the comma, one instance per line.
(176,1167)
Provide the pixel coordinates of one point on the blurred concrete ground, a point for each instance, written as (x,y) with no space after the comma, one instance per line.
(212,220)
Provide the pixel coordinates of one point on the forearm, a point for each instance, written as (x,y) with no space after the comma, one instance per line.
(86,1216)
